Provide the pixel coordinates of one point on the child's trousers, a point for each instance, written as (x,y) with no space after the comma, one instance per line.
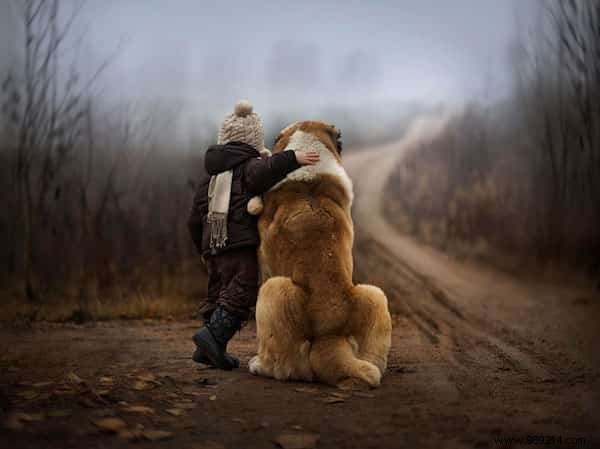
(232,282)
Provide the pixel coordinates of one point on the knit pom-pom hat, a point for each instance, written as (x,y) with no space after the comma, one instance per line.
(243,125)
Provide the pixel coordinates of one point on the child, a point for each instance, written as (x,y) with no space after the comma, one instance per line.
(226,234)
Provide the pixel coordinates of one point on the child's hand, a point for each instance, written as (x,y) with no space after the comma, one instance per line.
(308,158)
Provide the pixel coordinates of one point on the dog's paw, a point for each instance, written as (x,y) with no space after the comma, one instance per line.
(370,374)
(353,384)
(254,365)
(255,205)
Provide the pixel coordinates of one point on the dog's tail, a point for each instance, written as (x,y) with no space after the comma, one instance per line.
(333,361)
(361,354)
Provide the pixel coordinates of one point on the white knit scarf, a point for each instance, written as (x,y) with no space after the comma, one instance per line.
(219,192)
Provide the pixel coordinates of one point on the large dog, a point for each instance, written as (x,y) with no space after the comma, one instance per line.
(312,322)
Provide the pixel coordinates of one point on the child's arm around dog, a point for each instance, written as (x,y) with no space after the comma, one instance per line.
(258,180)
(262,174)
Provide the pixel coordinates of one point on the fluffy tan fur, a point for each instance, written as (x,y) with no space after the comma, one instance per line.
(313,323)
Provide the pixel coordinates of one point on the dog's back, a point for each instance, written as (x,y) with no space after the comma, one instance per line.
(307,233)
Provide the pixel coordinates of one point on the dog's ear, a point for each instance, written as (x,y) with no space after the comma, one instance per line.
(336,136)
(277,139)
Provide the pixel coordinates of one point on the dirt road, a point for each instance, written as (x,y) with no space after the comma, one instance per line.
(522,355)
(476,356)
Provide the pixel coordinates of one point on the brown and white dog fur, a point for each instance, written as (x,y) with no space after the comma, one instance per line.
(312,322)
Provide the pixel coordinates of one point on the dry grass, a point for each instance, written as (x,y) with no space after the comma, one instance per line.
(139,295)
(458,223)
(446,195)
(134,308)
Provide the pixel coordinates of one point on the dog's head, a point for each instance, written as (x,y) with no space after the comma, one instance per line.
(304,135)
(322,138)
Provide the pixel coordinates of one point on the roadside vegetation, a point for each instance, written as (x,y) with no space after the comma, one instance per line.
(95,194)
(517,184)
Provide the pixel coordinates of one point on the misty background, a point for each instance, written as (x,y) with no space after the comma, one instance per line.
(107,109)
(360,64)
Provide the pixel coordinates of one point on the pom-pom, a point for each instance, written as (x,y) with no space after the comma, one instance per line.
(243,108)
(255,205)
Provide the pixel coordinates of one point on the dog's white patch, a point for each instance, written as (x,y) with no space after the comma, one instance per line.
(254,365)
(328,164)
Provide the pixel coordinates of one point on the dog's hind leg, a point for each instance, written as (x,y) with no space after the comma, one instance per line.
(371,325)
(333,360)
(281,329)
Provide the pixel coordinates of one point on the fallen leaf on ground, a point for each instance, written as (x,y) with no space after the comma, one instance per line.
(340,395)
(147,377)
(362,394)
(212,398)
(59,413)
(197,394)
(130,434)
(106,380)
(139,409)
(63,391)
(13,421)
(111,424)
(28,394)
(297,440)
(307,390)
(184,405)
(175,411)
(156,435)
(333,400)
(142,385)
(29,417)
(42,384)
(74,378)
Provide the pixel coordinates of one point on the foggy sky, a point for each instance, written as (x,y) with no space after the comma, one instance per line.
(300,55)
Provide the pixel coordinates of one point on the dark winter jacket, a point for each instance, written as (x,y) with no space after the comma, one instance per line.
(251,176)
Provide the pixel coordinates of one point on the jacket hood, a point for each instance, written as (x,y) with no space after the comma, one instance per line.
(220,158)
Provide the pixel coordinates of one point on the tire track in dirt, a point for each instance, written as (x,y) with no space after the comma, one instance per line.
(434,307)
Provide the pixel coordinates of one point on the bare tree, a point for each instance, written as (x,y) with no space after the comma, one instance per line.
(49,119)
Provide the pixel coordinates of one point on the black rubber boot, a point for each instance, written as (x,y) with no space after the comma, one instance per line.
(199,357)
(211,341)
